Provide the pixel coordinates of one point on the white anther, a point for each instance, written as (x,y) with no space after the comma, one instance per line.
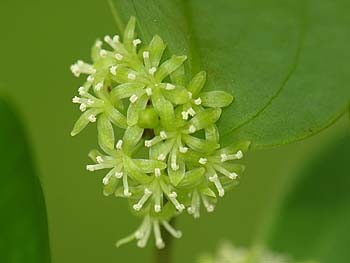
(76,99)
(90,102)
(163,135)
(99,86)
(223,157)
(161,157)
(152,70)
(183,149)
(82,107)
(232,176)
(157,172)
(191,112)
(81,90)
(98,43)
(92,118)
(116,39)
(136,42)
(148,91)
(198,101)
(99,159)
(239,154)
(218,185)
(190,94)
(119,144)
(105,179)
(118,56)
(90,79)
(113,70)
(169,86)
(118,175)
(145,54)
(147,191)
(192,129)
(184,115)
(137,207)
(190,210)
(173,195)
(157,208)
(148,143)
(90,168)
(131,76)
(133,98)
(103,53)
(203,160)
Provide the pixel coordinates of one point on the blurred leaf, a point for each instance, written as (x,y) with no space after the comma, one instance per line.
(285,62)
(23,223)
(314,219)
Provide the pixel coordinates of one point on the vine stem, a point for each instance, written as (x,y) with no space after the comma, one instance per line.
(165,255)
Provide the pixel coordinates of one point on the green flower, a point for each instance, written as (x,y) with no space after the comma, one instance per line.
(157,131)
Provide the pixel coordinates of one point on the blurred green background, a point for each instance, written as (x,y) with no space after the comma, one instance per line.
(39,41)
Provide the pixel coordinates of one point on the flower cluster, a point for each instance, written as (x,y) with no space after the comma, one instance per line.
(167,156)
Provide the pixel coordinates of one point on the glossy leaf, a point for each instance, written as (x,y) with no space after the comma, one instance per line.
(284,61)
(23,222)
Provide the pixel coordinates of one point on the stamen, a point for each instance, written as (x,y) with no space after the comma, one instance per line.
(110,41)
(81,91)
(157,172)
(237,156)
(203,160)
(145,54)
(191,112)
(76,99)
(171,230)
(190,94)
(184,115)
(163,135)
(148,91)
(169,86)
(198,101)
(116,39)
(103,53)
(113,70)
(152,70)
(90,79)
(208,206)
(82,107)
(92,118)
(172,197)
(118,175)
(157,208)
(157,235)
(119,144)
(136,42)
(99,159)
(99,86)
(218,185)
(183,149)
(143,200)
(126,185)
(161,157)
(131,76)
(192,129)
(133,98)
(105,179)
(118,56)
(174,165)
(98,43)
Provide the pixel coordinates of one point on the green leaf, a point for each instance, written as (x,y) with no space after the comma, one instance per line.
(313,221)
(286,62)
(23,222)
